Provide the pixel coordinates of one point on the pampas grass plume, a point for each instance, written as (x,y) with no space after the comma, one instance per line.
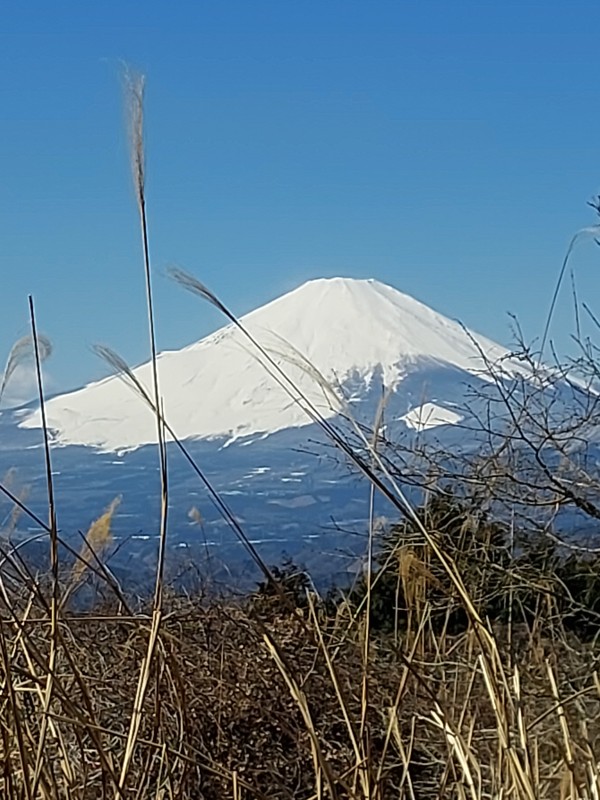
(97,539)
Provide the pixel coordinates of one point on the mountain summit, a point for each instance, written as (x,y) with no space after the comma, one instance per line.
(340,329)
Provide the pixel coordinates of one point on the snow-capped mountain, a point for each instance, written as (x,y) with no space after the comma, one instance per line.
(329,333)
(344,345)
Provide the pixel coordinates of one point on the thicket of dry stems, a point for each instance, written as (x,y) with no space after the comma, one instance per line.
(277,695)
(285,695)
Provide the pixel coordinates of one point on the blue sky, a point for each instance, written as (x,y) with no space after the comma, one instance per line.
(447,148)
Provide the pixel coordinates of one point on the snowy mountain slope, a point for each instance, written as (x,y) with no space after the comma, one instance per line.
(346,329)
(429,415)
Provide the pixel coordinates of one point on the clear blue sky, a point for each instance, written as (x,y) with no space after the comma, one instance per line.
(447,148)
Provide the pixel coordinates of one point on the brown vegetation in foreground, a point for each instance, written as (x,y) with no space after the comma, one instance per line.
(388,692)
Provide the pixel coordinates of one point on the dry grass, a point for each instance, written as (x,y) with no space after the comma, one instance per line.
(260,700)
(95,543)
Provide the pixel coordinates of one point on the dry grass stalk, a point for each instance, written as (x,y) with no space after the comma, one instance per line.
(21,352)
(320,763)
(10,483)
(39,354)
(356,739)
(135,104)
(96,541)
